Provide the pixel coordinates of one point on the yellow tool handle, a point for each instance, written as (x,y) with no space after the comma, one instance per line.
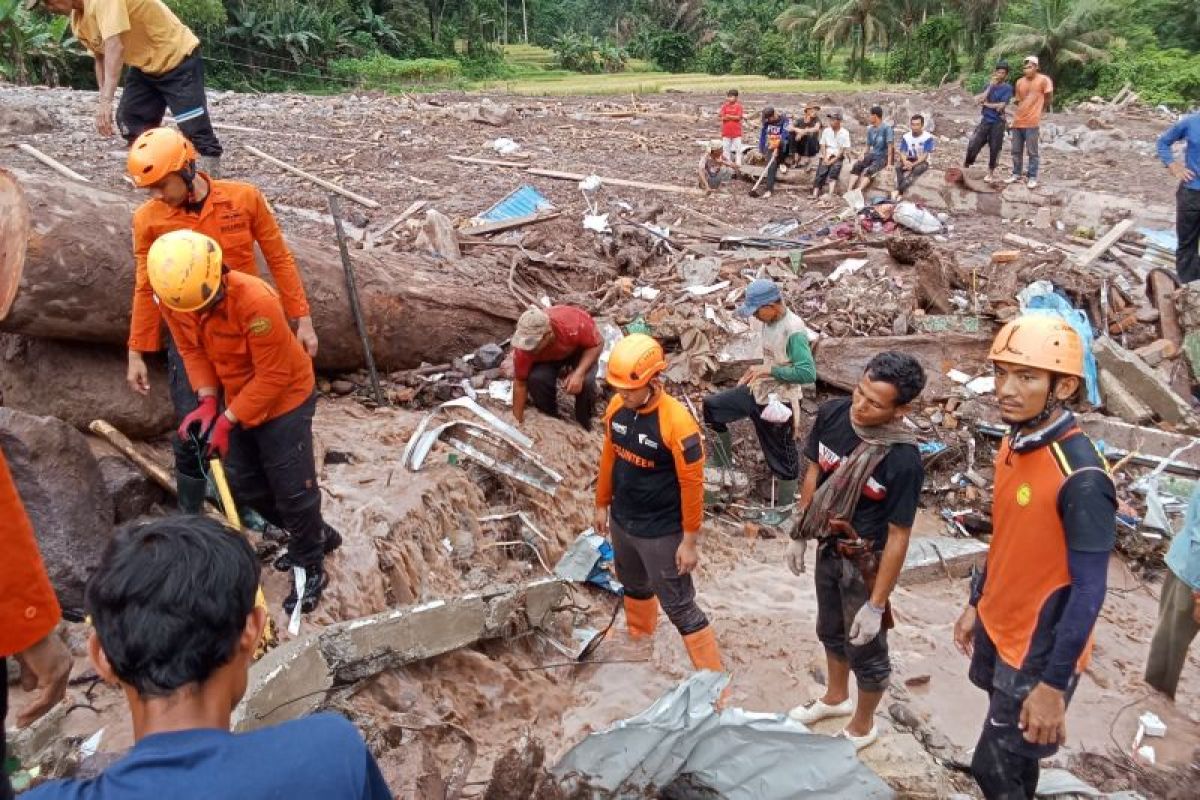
(260,600)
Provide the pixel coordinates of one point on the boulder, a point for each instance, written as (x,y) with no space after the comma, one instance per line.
(133,494)
(62,488)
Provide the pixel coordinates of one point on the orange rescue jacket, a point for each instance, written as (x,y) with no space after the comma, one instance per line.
(236,215)
(243,344)
(28,607)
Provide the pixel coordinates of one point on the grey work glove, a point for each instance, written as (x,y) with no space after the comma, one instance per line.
(866,625)
(795,555)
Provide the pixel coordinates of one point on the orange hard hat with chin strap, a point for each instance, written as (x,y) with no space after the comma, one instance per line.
(158,153)
(634,361)
(1042,342)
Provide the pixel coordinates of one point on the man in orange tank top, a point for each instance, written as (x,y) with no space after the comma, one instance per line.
(1028,625)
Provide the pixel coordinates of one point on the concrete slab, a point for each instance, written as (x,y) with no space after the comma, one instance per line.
(1139,439)
(1143,382)
(929,558)
(1122,402)
(288,682)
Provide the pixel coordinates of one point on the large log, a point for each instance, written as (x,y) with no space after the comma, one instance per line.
(840,362)
(80,381)
(66,272)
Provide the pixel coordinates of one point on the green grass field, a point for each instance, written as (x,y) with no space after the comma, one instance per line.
(535,74)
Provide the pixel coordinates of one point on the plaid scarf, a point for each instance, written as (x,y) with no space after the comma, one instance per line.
(837,497)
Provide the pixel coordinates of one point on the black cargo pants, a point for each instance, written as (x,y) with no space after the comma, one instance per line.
(145,98)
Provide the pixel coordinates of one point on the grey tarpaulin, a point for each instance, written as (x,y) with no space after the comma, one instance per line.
(681,748)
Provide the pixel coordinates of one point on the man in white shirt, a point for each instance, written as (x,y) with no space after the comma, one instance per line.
(915,148)
(835,146)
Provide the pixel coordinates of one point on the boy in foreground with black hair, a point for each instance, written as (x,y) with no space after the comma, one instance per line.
(859,499)
(175,626)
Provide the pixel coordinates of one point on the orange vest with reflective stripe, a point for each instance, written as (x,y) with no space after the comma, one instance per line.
(1027,560)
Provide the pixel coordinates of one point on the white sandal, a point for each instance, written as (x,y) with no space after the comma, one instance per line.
(866,740)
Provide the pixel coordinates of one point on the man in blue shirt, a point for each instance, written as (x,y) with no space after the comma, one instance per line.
(175,626)
(990,131)
(878,154)
(773,144)
(1179,605)
(1187,197)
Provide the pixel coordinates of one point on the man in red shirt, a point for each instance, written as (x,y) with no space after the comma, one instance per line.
(546,344)
(732,115)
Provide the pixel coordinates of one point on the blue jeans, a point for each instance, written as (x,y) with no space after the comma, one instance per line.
(1025,140)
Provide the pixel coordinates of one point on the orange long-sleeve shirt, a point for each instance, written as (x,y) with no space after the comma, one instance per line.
(244,345)
(28,606)
(652,468)
(234,214)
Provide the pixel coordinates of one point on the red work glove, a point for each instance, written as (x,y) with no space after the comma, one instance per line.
(218,439)
(201,419)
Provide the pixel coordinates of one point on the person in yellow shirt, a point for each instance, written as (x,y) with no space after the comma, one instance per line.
(165,69)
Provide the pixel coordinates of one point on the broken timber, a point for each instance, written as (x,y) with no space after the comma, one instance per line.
(57,166)
(508,224)
(308,176)
(1104,243)
(488,162)
(413,208)
(294,679)
(840,362)
(658,187)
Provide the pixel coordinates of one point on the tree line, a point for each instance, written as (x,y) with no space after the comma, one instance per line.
(1088,46)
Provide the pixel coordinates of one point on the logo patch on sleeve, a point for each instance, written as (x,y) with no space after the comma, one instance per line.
(693,450)
(259,326)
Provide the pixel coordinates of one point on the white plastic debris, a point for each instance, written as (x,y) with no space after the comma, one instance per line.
(847,267)
(596,222)
(958,376)
(91,744)
(1153,724)
(591,183)
(982,385)
(501,392)
(776,410)
(1145,754)
(701,291)
(300,577)
(646,293)
(504,146)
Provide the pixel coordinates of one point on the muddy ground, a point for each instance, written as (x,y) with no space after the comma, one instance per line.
(411,538)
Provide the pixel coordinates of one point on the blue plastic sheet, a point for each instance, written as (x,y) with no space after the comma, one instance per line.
(1040,298)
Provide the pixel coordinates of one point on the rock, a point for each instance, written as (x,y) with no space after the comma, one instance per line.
(1144,383)
(341,387)
(133,494)
(63,491)
(438,236)
(24,119)
(700,271)
(1157,351)
(485,112)
(489,356)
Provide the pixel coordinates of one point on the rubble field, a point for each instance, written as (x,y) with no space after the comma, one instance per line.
(444,634)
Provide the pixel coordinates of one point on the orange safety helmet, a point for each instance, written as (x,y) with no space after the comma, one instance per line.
(634,361)
(157,153)
(1040,341)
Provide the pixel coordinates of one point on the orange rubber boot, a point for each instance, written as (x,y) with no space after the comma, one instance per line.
(702,647)
(641,616)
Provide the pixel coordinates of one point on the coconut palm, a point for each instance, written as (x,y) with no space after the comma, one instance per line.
(799,19)
(1061,33)
(856,23)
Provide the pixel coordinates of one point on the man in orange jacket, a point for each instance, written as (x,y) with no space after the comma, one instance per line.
(235,215)
(29,613)
(233,337)
(650,495)
(1028,624)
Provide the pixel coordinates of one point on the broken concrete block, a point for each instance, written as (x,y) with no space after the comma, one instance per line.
(1139,439)
(929,558)
(1121,402)
(1005,256)
(1143,382)
(288,682)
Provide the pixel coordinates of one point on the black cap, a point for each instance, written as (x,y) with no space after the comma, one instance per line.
(1004,66)
(768,112)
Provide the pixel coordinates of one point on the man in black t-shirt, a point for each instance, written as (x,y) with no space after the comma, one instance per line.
(851,608)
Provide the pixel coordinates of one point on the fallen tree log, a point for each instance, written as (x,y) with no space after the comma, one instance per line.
(79,381)
(66,272)
(840,362)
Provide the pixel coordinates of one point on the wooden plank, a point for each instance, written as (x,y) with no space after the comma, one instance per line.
(489,162)
(507,224)
(413,208)
(57,166)
(657,187)
(333,187)
(1106,241)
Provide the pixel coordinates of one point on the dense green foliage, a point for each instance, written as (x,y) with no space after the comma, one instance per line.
(1087,46)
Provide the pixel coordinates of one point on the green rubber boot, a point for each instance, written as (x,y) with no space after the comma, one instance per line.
(191,493)
(785,498)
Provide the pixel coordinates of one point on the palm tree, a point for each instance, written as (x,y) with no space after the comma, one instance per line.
(979,26)
(799,19)
(857,23)
(1059,32)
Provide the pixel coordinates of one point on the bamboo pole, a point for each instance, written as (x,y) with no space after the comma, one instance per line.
(333,187)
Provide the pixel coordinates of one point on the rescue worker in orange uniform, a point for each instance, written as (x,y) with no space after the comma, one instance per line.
(233,336)
(236,215)
(29,614)
(1028,625)
(650,498)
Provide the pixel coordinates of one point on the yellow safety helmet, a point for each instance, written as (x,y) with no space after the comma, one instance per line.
(158,153)
(1040,341)
(184,269)
(634,361)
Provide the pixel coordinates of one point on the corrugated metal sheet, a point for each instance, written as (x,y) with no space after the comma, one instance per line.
(521,202)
